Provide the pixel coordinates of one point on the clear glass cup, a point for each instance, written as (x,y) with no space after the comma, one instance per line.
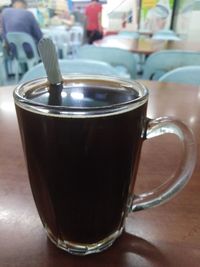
(82,153)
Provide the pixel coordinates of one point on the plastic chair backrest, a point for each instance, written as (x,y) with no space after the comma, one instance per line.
(161,62)
(184,75)
(113,56)
(76,35)
(60,38)
(81,66)
(19,39)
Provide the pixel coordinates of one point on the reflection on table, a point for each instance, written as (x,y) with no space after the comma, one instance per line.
(168,235)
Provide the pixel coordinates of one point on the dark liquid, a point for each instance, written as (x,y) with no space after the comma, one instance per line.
(81,169)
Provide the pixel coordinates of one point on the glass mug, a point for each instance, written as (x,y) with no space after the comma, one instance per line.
(82,156)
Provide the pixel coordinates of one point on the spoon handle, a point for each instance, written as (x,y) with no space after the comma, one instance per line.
(49,57)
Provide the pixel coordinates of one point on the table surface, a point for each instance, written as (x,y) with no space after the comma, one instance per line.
(146,46)
(168,235)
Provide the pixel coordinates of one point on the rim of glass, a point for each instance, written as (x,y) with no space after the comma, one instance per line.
(21,90)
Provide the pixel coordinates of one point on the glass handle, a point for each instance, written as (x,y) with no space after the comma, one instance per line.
(175,183)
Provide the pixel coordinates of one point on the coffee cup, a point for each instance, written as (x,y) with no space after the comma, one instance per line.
(82,156)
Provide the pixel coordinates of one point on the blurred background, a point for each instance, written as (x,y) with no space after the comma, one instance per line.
(150,15)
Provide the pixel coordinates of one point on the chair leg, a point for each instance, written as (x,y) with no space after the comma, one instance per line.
(3,76)
(17,69)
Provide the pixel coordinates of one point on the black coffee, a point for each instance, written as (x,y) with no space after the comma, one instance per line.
(81,169)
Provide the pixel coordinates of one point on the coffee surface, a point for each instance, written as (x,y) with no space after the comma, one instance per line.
(87,96)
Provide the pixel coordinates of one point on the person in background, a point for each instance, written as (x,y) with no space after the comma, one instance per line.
(62,17)
(1,26)
(93,21)
(17,19)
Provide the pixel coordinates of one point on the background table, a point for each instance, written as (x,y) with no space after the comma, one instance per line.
(146,46)
(168,235)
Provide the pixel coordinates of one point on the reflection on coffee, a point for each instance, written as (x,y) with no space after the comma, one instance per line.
(80,168)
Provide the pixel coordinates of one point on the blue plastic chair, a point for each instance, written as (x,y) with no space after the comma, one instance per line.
(80,66)
(183,75)
(161,62)
(60,38)
(167,35)
(18,39)
(3,76)
(116,57)
(76,36)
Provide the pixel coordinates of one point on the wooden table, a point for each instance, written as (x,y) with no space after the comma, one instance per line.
(168,235)
(146,46)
